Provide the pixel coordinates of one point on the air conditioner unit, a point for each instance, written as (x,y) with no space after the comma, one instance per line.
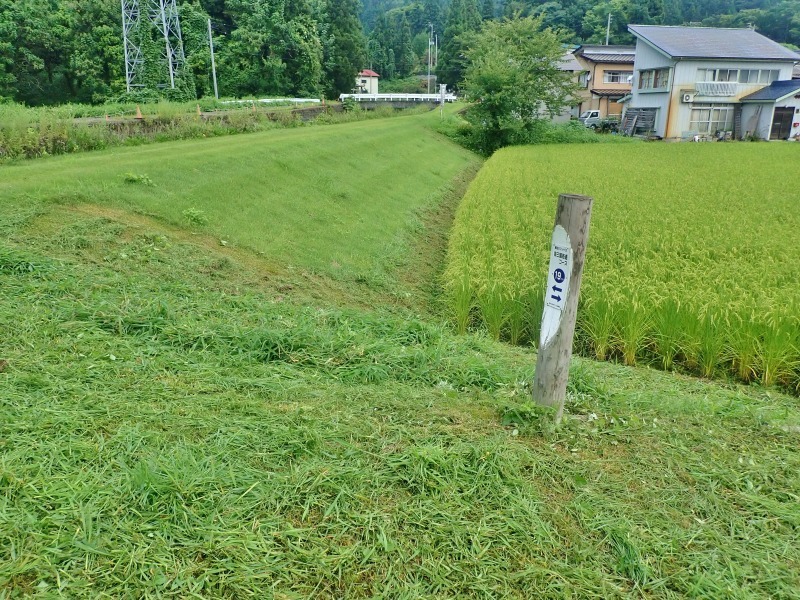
(687,98)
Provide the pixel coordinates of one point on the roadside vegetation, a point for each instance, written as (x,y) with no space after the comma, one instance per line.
(38,132)
(691,272)
(221,376)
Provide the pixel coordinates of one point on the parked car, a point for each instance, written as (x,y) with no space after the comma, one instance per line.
(590,118)
(593,120)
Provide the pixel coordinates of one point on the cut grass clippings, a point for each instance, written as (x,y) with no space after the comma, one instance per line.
(172,428)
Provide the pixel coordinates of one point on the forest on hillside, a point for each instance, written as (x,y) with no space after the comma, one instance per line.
(56,51)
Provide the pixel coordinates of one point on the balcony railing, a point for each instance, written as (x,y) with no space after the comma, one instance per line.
(716,88)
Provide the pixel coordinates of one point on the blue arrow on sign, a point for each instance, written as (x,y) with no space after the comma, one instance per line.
(556,289)
(556,298)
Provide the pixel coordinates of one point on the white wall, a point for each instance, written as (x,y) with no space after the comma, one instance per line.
(648,57)
(759,124)
(755,122)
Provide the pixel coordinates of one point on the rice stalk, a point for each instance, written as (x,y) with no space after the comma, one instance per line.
(633,327)
(493,305)
(598,326)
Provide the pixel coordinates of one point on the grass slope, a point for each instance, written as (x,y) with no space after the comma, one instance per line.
(333,199)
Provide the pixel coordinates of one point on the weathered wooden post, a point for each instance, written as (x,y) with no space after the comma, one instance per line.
(567,250)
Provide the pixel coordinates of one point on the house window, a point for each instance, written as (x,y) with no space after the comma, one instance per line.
(768,76)
(717,75)
(740,75)
(653,79)
(616,76)
(710,118)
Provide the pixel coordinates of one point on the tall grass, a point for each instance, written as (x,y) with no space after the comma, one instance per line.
(678,275)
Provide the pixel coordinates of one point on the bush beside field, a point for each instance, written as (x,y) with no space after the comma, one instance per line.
(690,263)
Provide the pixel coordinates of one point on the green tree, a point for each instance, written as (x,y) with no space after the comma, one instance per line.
(8,36)
(487,10)
(274,49)
(462,20)
(433,11)
(406,61)
(513,78)
(344,46)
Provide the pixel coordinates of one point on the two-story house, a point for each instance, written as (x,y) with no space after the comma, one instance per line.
(607,76)
(691,81)
(577,72)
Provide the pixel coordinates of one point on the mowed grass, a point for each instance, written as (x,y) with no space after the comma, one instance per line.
(691,263)
(173,425)
(333,199)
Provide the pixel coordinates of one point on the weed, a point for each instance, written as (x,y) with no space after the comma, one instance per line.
(138,179)
(195,216)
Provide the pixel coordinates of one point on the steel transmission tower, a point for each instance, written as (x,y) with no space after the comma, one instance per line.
(158,15)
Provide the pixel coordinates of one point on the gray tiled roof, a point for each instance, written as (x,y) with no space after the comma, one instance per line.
(775,91)
(568,63)
(607,54)
(611,58)
(712,42)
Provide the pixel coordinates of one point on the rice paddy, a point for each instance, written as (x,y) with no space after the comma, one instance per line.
(693,260)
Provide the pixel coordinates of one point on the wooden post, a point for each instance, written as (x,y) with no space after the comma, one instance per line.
(570,236)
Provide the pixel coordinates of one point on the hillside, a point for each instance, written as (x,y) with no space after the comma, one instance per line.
(183,417)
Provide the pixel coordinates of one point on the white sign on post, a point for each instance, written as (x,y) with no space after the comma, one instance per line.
(555,299)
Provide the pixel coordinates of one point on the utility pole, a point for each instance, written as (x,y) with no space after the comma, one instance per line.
(430,55)
(608,28)
(213,64)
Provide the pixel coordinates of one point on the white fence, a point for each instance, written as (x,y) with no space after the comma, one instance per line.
(399,97)
(275,101)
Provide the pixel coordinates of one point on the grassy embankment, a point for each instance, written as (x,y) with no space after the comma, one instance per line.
(691,263)
(49,131)
(182,418)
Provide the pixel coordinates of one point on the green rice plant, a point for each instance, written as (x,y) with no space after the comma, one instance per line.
(462,302)
(743,347)
(777,353)
(668,332)
(517,323)
(708,344)
(494,308)
(597,324)
(633,327)
(694,260)
(533,301)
